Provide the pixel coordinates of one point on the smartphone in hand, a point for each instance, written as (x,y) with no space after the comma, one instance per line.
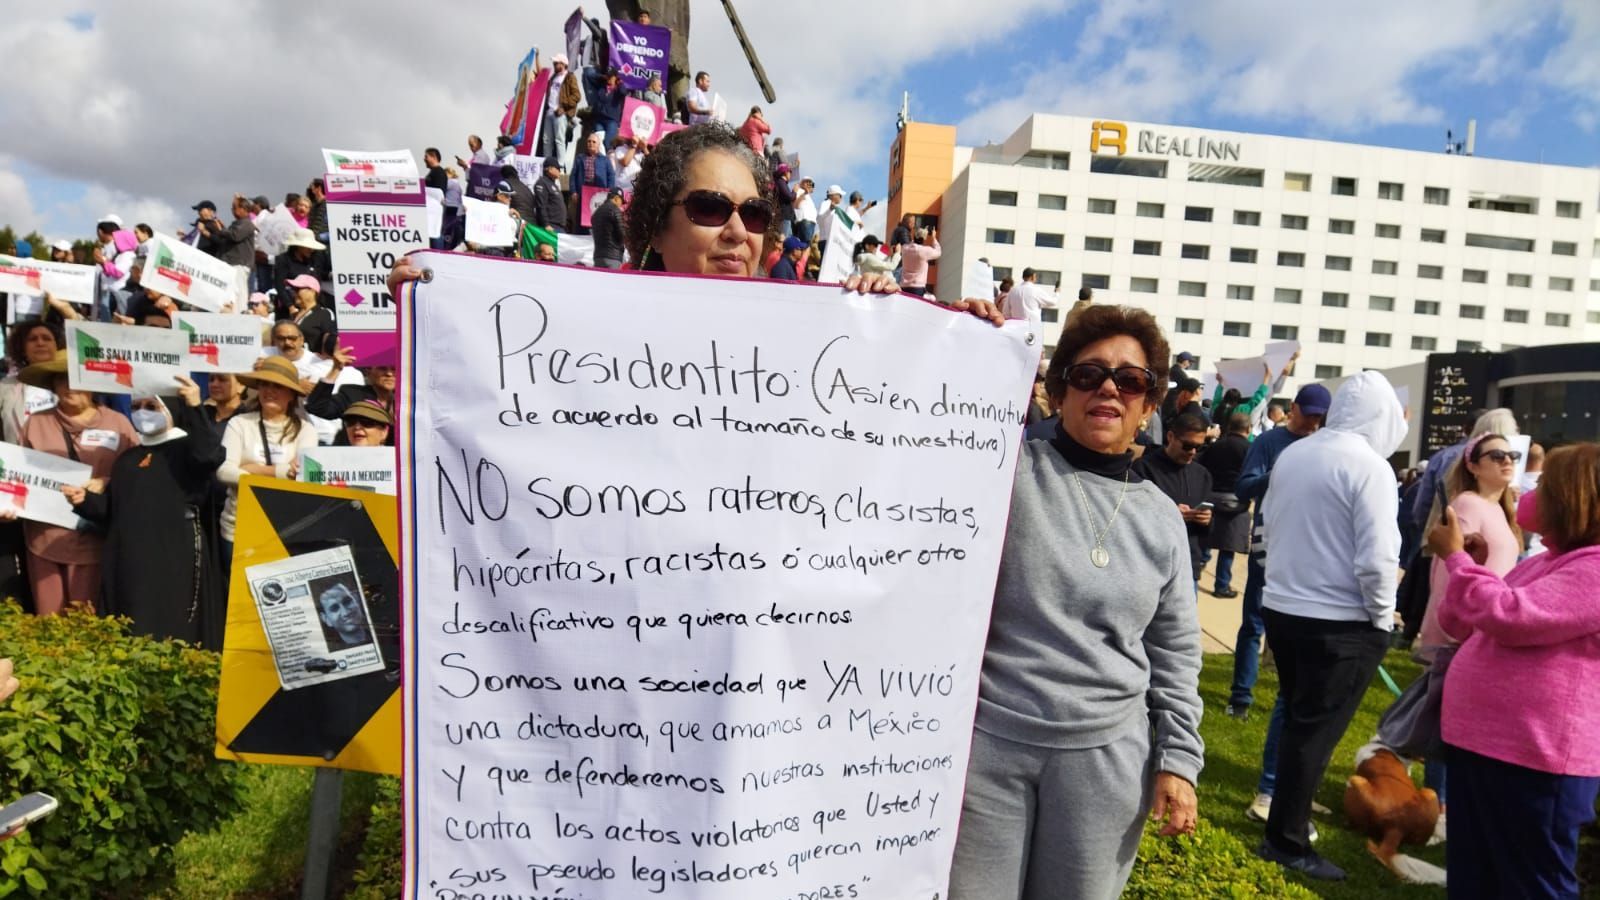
(26,811)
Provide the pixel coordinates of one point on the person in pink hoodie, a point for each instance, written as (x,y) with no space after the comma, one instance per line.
(1521,710)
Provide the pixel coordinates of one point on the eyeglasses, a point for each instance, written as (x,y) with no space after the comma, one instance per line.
(363,423)
(1191,448)
(1130,380)
(712,209)
(1501,456)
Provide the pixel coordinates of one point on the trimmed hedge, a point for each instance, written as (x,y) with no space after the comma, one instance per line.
(379,868)
(1207,864)
(119,729)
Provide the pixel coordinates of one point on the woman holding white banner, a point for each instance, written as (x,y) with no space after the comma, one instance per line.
(265,441)
(1088,706)
(63,563)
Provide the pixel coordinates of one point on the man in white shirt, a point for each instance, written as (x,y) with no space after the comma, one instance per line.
(699,99)
(1026,299)
(805,211)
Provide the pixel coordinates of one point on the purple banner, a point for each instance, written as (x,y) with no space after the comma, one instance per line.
(640,52)
(574,34)
(481,179)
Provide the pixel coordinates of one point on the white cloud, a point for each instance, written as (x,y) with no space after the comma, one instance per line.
(16,202)
(1574,66)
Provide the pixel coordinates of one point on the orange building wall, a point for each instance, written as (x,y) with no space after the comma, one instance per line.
(921,160)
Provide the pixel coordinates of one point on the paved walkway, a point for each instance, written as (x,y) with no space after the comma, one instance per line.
(1219,619)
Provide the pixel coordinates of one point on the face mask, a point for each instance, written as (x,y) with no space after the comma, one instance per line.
(1528,512)
(149,421)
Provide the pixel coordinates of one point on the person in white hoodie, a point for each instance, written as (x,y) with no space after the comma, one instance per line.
(1329,605)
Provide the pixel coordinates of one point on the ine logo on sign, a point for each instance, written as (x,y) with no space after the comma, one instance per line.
(1111,135)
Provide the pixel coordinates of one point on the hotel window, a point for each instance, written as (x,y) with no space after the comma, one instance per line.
(1000,236)
(1052,201)
(1568,209)
(1474,276)
(1385,267)
(1236,329)
(1330,335)
(1049,315)
(1436,196)
(1471,311)
(1386,231)
(1097,244)
(1296,181)
(1527,206)
(1335,299)
(1380,304)
(1432,235)
(1189,326)
(1098,282)
(1293,260)
(1241,255)
(1102,206)
(1143,285)
(1594,285)
(1516,279)
(1325,372)
(1001,273)
(1043,159)
(1424,343)
(1563,248)
(1286,295)
(1002,198)
(1147,248)
(1378,339)
(1048,278)
(1049,241)
(1425,307)
(1150,210)
(1517,316)
(1197,213)
(1341,226)
(1337,263)
(1558,283)
(1500,242)
(1285,332)
(1469,346)
(1592,317)
(1191,288)
(1241,292)
(1391,190)
(1246,217)
(1128,165)
(1195,251)
(1344,187)
(1557,320)
(1426,271)
(1293,223)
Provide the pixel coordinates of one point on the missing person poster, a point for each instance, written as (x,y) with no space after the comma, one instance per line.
(125,359)
(368,468)
(71,282)
(316,617)
(31,481)
(220,342)
(188,275)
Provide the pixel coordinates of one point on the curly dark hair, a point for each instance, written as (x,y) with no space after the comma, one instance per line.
(16,342)
(661,179)
(1097,323)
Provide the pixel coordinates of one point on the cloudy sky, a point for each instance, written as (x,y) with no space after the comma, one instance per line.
(144,108)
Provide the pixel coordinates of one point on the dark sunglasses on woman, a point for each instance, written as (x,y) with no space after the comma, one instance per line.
(1500,457)
(1130,380)
(712,209)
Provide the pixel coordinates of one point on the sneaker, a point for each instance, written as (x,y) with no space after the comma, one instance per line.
(1259,808)
(1319,810)
(1238,711)
(1225,594)
(1310,865)
(1438,835)
(1313,836)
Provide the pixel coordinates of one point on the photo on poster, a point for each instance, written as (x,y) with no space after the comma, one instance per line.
(316,617)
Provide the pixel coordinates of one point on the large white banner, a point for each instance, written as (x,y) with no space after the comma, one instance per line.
(31,481)
(698,575)
(490,224)
(372,221)
(125,359)
(370,468)
(69,281)
(221,342)
(188,275)
(369,162)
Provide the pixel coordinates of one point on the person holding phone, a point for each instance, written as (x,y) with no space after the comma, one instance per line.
(1173,470)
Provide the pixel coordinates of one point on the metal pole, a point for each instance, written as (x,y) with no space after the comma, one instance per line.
(323,837)
(750,53)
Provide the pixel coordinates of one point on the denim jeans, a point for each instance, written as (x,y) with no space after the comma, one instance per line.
(805,231)
(1247,643)
(1269,750)
(1224,580)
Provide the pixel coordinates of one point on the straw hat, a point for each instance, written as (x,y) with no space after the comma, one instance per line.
(275,370)
(43,375)
(371,410)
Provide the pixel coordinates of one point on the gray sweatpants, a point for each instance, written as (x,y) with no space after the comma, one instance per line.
(1044,824)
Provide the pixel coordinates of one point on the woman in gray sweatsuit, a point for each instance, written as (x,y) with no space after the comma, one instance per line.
(1089,705)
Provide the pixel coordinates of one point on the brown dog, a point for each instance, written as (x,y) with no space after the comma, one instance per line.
(1383,803)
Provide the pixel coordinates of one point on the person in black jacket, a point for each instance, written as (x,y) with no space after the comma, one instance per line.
(1172,469)
(607,227)
(550,204)
(1230,524)
(328,401)
(522,198)
(315,320)
(303,255)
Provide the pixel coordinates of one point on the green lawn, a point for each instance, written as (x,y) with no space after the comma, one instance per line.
(1233,763)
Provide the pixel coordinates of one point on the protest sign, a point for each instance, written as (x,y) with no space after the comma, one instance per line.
(188,275)
(838,244)
(1278,354)
(125,359)
(481,180)
(372,221)
(433,200)
(69,281)
(979,281)
(369,162)
(693,553)
(371,468)
(641,120)
(529,168)
(273,228)
(1243,375)
(591,199)
(577,39)
(220,342)
(30,483)
(316,617)
(640,53)
(490,224)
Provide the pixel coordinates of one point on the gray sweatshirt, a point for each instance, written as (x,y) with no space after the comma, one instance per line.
(1075,651)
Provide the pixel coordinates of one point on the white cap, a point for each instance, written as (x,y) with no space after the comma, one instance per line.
(63,246)
(832,189)
(113,218)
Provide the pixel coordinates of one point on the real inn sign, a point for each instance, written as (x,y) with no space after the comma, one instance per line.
(1107,135)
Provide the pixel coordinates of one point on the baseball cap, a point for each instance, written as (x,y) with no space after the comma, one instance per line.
(835,189)
(793,243)
(63,246)
(503,187)
(614,192)
(112,218)
(306,281)
(204,204)
(559,58)
(1313,400)
(1186,356)
(552,162)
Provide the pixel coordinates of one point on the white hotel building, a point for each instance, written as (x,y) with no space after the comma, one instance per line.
(1371,257)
